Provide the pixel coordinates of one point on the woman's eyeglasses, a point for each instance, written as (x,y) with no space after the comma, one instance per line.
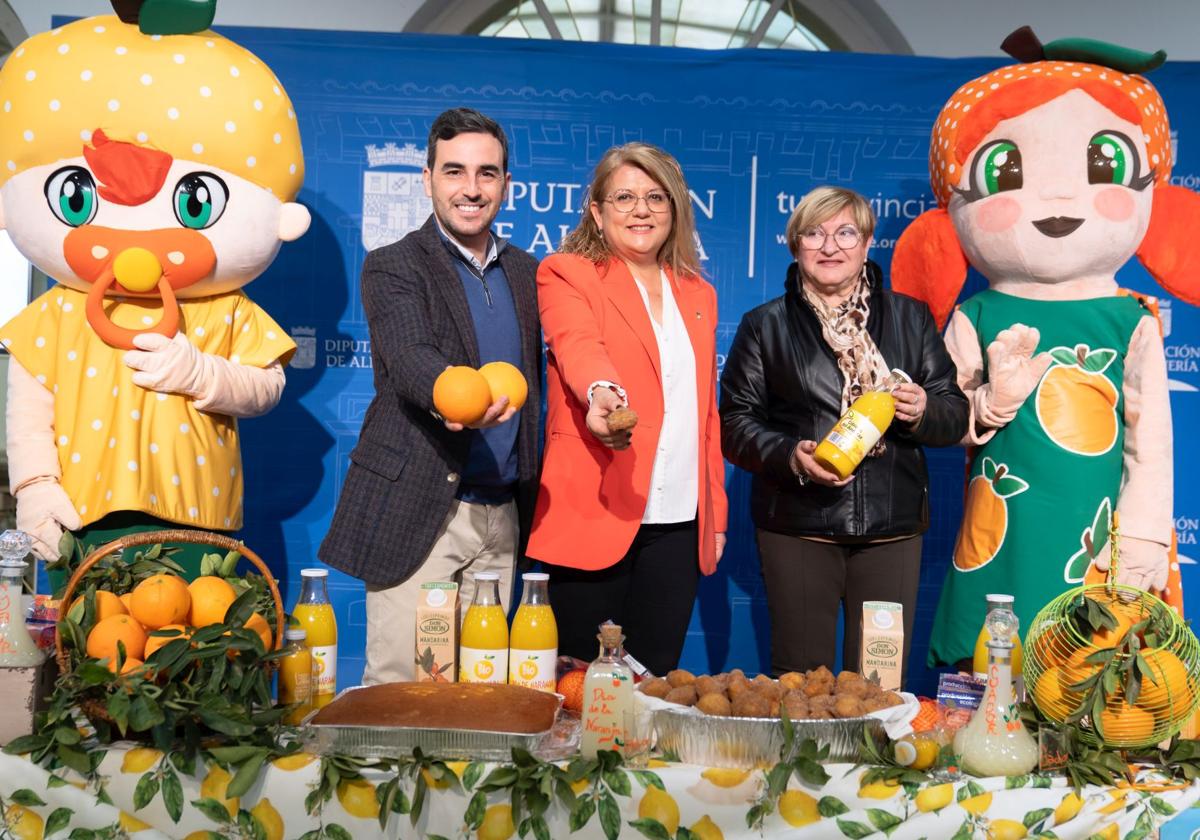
(625,202)
(845,237)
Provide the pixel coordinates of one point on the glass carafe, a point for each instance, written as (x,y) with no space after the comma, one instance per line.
(17,647)
(995,742)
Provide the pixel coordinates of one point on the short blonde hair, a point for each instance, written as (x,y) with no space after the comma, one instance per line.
(679,251)
(821,205)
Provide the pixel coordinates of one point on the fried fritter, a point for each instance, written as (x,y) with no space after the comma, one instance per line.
(796,705)
(685,695)
(715,704)
(621,419)
(737,687)
(847,706)
(655,687)
(751,704)
(791,680)
(707,685)
(680,677)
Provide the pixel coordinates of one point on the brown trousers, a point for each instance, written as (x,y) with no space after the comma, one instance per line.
(807,581)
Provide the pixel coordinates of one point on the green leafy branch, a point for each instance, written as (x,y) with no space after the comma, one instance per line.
(801,759)
(882,765)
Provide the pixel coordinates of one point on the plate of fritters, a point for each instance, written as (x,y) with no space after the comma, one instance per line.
(814,695)
(732,720)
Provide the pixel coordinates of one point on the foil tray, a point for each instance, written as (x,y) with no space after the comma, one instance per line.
(748,743)
(451,744)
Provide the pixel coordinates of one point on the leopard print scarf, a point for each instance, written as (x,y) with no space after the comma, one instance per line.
(844,328)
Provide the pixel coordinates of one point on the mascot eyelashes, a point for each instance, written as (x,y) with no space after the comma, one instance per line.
(1050,174)
(150,171)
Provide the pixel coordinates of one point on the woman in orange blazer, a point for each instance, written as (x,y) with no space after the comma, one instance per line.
(627,520)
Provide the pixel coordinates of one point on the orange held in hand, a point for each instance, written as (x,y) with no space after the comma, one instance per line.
(461,394)
(504,380)
(161,600)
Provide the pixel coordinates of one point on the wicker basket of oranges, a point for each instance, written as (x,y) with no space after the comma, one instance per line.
(135,636)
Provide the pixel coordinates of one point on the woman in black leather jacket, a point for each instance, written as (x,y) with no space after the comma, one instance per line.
(795,364)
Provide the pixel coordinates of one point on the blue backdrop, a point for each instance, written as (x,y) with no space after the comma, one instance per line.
(754,130)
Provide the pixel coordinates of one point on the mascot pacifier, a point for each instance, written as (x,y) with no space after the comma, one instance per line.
(1050,174)
(148,166)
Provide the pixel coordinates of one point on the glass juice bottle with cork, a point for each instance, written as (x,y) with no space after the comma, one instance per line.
(607,695)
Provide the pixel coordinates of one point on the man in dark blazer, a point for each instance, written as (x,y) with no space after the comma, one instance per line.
(425,499)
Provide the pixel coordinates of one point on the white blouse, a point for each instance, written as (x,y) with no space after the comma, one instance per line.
(674,482)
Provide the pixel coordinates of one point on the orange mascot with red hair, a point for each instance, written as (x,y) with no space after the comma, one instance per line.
(1050,174)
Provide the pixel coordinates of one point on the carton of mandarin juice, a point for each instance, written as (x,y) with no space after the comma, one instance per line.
(437,625)
(882,652)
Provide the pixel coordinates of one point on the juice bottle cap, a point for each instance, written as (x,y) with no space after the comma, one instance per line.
(1000,599)
(535,576)
(488,576)
(295,634)
(899,374)
(314,573)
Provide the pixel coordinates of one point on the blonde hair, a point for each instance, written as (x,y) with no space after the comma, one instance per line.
(821,205)
(679,251)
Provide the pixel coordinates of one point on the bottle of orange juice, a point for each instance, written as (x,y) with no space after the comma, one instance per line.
(980,665)
(533,640)
(860,428)
(296,674)
(315,614)
(483,642)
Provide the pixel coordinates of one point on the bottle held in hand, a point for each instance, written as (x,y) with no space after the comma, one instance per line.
(860,428)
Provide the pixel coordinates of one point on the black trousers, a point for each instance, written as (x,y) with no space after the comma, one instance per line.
(806,581)
(649,592)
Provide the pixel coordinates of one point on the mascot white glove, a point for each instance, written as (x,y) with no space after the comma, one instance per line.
(1013,373)
(1143,564)
(169,365)
(44,511)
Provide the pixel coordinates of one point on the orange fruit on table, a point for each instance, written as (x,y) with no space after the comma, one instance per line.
(160,600)
(1049,695)
(107,604)
(571,688)
(1172,696)
(1075,670)
(259,625)
(1076,403)
(1127,614)
(102,641)
(461,394)
(505,380)
(211,597)
(153,643)
(1125,725)
(131,664)
(126,599)
(985,516)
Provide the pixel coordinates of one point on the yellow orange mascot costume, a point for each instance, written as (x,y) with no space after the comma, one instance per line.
(148,166)
(1050,175)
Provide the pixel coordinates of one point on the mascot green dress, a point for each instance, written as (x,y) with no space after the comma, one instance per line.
(1050,175)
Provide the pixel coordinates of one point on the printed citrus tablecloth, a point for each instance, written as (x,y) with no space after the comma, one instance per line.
(712,803)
